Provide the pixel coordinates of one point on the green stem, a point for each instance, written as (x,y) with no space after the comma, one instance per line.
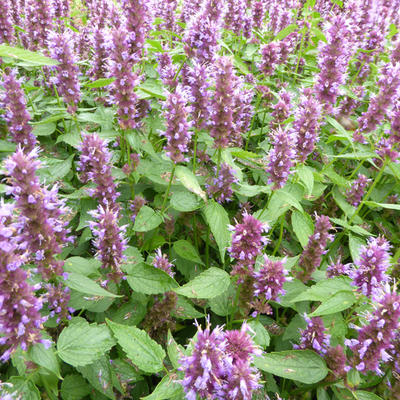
(252,121)
(280,236)
(195,150)
(208,247)
(218,161)
(168,189)
(266,205)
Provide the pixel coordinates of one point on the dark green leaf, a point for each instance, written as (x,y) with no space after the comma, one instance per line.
(146,220)
(338,302)
(185,250)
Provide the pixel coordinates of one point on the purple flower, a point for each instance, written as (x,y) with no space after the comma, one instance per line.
(306,124)
(42,218)
(381,103)
(20,319)
(177,133)
(281,157)
(270,53)
(95,166)
(38,22)
(281,110)
(203,31)
(61,8)
(221,186)
(221,107)
(16,115)
(6,23)
(138,23)
(161,262)
(373,341)
(167,70)
(237,20)
(372,265)
(100,54)
(333,59)
(204,368)
(269,280)
(166,11)
(311,257)
(197,81)
(66,79)
(279,16)
(136,204)
(356,192)
(337,269)
(314,336)
(247,240)
(110,241)
(386,149)
(190,8)
(258,13)
(123,88)
(335,358)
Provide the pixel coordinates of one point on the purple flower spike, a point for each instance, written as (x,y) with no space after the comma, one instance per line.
(100,54)
(373,342)
(222,103)
(204,368)
(66,79)
(258,14)
(381,104)
(247,240)
(333,60)
(372,266)
(177,132)
(95,166)
(356,192)
(6,23)
(20,319)
(110,241)
(270,57)
(123,88)
(38,22)
(221,186)
(281,157)
(306,124)
(314,336)
(161,262)
(166,70)
(337,269)
(311,257)
(269,280)
(16,115)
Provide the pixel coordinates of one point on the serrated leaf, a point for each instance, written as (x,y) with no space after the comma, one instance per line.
(307,177)
(355,244)
(302,226)
(224,304)
(338,302)
(148,279)
(83,284)
(74,387)
(21,388)
(301,365)
(261,337)
(80,265)
(146,220)
(44,129)
(143,351)
(189,180)
(184,201)
(174,350)
(166,389)
(34,58)
(207,285)
(185,310)
(218,221)
(185,250)
(46,358)
(81,343)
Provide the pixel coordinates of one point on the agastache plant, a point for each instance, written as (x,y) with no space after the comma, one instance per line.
(6,25)
(16,113)
(38,22)
(221,186)
(356,192)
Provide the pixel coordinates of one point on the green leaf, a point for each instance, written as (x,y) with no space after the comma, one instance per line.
(6,146)
(382,205)
(338,302)
(218,221)
(55,169)
(146,220)
(301,365)
(185,250)
(189,180)
(354,228)
(207,285)
(302,226)
(21,388)
(364,395)
(99,375)
(102,82)
(174,350)
(184,201)
(83,284)
(151,88)
(46,358)
(143,351)
(286,31)
(133,258)
(81,343)
(307,177)
(44,129)
(83,266)
(324,289)
(355,244)
(166,389)
(148,279)
(224,304)
(185,310)
(34,58)
(74,387)
(261,337)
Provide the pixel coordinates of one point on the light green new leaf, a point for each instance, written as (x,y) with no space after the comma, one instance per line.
(207,285)
(143,351)
(301,365)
